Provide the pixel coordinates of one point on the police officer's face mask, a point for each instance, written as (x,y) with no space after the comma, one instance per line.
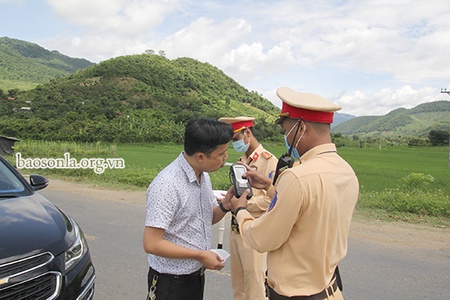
(294,153)
(240,145)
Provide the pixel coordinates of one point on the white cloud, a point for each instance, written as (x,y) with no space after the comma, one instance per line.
(203,39)
(371,36)
(272,96)
(95,47)
(229,52)
(120,17)
(109,28)
(252,62)
(386,100)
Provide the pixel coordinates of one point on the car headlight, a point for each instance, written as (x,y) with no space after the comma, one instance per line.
(78,249)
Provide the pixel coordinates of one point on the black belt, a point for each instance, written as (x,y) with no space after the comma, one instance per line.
(199,272)
(319,296)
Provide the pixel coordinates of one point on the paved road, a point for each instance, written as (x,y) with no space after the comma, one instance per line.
(370,271)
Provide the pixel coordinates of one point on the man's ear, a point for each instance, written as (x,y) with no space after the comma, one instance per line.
(200,157)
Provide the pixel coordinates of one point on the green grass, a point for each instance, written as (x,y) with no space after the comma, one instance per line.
(382,169)
(381,173)
(150,155)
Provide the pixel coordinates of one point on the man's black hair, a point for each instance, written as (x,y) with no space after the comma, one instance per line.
(205,135)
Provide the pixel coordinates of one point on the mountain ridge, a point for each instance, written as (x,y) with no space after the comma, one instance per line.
(28,62)
(417,121)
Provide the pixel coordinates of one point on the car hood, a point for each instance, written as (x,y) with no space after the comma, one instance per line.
(32,224)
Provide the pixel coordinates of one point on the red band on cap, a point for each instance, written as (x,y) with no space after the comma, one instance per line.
(238,126)
(307,115)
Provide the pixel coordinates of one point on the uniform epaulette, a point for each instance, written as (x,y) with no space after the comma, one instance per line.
(266,155)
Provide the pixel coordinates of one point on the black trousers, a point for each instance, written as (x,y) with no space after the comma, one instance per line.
(178,287)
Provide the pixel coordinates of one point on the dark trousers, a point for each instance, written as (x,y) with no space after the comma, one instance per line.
(178,287)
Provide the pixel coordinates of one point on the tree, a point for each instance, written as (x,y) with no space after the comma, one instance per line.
(13,93)
(438,137)
(416,142)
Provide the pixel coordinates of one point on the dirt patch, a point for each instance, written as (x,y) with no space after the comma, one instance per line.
(401,234)
(391,233)
(97,191)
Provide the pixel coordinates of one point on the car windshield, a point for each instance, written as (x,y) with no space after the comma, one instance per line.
(10,185)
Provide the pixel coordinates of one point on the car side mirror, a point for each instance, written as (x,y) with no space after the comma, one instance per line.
(38,182)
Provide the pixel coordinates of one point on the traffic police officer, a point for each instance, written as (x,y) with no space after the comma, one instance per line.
(248,266)
(306,227)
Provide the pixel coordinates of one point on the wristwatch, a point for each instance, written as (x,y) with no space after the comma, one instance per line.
(223,208)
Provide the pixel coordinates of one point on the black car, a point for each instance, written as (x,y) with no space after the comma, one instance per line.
(43,252)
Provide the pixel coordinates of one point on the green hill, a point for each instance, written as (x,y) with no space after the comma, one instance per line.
(418,121)
(136,98)
(24,65)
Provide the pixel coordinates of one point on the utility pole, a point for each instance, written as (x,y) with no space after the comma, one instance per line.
(445,90)
(448,92)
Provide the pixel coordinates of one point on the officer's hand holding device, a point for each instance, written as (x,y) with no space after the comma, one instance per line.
(240,184)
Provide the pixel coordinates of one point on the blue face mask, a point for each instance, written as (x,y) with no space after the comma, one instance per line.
(294,153)
(240,145)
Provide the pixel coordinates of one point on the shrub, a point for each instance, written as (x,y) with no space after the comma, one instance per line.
(416,181)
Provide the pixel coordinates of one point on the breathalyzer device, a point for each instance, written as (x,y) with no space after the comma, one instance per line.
(240,184)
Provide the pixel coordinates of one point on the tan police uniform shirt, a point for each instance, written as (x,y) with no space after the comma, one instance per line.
(306,228)
(266,163)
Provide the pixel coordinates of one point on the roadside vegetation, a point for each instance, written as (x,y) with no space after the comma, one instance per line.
(396,183)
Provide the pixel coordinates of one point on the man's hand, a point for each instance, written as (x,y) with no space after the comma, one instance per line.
(241,201)
(257,179)
(211,260)
(226,200)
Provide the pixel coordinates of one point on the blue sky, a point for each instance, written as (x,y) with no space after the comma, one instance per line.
(370,57)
